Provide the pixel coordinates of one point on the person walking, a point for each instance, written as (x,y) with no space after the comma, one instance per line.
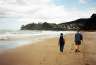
(78,39)
(61,42)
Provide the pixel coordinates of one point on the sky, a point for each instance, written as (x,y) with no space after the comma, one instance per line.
(14,13)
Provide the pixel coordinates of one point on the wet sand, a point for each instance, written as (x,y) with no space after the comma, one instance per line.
(47,53)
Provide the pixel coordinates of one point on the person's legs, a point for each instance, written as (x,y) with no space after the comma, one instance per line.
(77,48)
(61,48)
(77,43)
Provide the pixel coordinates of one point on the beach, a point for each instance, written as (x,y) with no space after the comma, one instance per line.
(46,52)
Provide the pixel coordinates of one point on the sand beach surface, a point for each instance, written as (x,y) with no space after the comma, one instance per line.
(46,52)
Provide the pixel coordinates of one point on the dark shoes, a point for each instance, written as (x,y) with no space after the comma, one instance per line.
(77,50)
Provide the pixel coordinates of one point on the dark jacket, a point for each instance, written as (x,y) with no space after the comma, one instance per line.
(61,40)
(78,37)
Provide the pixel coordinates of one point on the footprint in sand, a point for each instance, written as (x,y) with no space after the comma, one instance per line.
(43,60)
(87,64)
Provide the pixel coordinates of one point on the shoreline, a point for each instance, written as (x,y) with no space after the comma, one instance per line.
(47,52)
(11,44)
(44,52)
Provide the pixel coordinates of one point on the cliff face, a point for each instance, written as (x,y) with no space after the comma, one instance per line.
(86,24)
(91,24)
(81,24)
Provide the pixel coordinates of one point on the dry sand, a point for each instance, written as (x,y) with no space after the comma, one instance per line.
(90,48)
(47,53)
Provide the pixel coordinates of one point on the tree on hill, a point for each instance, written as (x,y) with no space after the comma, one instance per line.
(81,24)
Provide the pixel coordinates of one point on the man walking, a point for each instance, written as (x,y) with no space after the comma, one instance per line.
(78,38)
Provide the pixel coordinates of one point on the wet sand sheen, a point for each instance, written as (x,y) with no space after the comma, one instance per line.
(44,53)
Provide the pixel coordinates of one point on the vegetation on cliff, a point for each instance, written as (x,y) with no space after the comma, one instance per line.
(81,24)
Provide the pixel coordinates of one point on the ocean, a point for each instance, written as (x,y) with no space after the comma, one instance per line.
(14,38)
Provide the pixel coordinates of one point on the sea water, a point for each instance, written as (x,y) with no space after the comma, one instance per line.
(12,39)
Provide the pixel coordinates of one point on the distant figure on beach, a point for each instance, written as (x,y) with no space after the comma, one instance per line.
(61,42)
(78,38)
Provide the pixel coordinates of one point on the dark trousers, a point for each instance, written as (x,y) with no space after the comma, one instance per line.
(61,48)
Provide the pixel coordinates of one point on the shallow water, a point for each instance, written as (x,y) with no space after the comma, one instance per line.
(13,39)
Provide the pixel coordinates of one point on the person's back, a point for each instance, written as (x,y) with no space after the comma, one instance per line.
(78,38)
(61,42)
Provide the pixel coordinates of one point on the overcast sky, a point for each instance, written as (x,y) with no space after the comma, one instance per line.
(14,13)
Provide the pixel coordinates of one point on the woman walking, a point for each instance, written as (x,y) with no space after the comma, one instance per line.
(61,42)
